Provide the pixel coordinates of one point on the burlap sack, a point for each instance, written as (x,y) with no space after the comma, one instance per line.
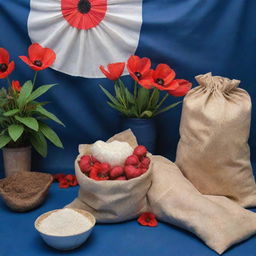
(213,152)
(112,201)
(218,221)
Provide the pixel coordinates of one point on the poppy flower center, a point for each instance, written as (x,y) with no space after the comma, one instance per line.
(148,219)
(3,67)
(84,6)
(138,74)
(160,81)
(37,63)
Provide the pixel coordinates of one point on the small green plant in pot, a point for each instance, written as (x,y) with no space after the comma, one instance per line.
(144,102)
(22,116)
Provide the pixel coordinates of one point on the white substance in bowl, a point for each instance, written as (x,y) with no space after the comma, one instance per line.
(65,222)
(114,153)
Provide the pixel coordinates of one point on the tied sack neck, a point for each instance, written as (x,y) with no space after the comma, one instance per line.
(220,83)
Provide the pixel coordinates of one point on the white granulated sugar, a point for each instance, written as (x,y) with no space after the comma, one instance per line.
(114,153)
(65,222)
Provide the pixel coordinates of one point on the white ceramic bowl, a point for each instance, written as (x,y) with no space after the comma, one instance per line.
(65,242)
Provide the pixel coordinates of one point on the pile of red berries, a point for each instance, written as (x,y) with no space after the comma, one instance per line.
(135,165)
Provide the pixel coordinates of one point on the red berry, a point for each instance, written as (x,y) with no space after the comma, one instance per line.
(131,171)
(85,163)
(86,159)
(116,172)
(105,167)
(94,160)
(145,162)
(132,160)
(140,151)
(143,170)
(121,178)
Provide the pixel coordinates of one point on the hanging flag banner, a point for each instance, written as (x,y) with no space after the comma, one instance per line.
(86,33)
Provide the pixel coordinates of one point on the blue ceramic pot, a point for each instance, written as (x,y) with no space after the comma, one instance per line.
(144,130)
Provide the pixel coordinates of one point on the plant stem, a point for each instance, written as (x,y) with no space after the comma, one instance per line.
(35,76)
(8,81)
(162,101)
(135,89)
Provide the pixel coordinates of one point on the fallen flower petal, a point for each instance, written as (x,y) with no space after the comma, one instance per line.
(147,219)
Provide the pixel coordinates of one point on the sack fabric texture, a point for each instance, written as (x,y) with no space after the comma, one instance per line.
(164,190)
(112,201)
(213,152)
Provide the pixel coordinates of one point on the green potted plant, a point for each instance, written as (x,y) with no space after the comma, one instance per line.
(22,116)
(140,106)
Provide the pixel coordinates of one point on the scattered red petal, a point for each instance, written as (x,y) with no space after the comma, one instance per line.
(63,184)
(65,181)
(148,219)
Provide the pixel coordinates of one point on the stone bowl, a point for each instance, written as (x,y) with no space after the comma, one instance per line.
(69,242)
(24,191)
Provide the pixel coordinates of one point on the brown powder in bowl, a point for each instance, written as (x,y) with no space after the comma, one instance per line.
(24,191)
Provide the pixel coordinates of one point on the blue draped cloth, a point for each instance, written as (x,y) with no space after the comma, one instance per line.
(193,37)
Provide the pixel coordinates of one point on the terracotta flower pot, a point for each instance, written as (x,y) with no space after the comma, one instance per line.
(16,160)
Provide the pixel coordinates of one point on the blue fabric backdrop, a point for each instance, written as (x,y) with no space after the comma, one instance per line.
(192,36)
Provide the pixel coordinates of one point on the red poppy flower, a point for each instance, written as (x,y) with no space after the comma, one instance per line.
(71,179)
(83,14)
(115,70)
(163,78)
(63,183)
(58,177)
(74,182)
(183,88)
(16,85)
(148,219)
(99,173)
(39,58)
(6,67)
(139,69)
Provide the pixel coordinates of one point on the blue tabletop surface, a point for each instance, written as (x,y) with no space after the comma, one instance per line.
(19,238)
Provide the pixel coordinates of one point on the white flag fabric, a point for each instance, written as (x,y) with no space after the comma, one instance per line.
(86,33)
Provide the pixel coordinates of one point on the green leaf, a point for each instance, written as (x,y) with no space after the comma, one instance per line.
(142,99)
(147,113)
(50,134)
(119,94)
(39,91)
(110,96)
(129,96)
(120,109)
(4,140)
(154,99)
(48,114)
(30,122)
(11,112)
(24,94)
(167,108)
(15,131)
(39,143)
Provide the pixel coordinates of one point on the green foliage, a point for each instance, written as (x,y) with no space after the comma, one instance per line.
(21,119)
(143,103)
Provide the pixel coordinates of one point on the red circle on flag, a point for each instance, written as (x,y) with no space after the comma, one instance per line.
(84,14)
